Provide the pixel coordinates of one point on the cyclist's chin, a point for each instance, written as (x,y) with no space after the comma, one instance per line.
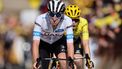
(54,22)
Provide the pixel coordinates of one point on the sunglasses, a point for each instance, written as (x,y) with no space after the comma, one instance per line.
(76,20)
(52,14)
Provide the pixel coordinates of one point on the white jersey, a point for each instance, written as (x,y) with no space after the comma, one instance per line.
(43,29)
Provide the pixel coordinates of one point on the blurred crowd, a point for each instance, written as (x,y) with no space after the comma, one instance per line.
(105,28)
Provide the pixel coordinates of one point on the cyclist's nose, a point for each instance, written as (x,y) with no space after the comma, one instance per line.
(54,18)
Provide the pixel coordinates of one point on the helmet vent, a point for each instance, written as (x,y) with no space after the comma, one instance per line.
(78,13)
(75,12)
(67,8)
(68,13)
(71,11)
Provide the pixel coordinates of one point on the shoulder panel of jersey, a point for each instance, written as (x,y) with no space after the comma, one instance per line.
(82,29)
(37,29)
(41,18)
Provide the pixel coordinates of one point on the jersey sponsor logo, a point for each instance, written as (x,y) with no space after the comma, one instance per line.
(51,34)
(59,30)
(36,33)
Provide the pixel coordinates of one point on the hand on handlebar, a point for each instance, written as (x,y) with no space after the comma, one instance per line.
(71,62)
(89,63)
(37,64)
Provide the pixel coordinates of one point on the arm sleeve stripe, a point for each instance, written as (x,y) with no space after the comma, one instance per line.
(35,33)
(70,36)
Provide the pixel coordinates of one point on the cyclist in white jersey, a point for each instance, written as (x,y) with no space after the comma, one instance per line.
(48,35)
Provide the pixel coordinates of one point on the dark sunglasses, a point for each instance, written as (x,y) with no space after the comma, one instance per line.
(76,20)
(52,14)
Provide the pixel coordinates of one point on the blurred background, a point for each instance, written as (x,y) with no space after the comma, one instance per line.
(17,19)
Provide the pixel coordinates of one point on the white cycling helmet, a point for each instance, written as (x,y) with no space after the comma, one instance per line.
(56,6)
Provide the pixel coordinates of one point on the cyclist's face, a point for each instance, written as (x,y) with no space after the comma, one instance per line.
(55,18)
(75,22)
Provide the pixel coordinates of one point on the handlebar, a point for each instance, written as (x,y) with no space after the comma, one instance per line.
(70,60)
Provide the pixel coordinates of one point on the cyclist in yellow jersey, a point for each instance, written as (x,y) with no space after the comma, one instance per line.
(80,33)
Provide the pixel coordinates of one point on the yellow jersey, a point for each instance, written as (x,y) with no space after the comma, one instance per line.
(81,29)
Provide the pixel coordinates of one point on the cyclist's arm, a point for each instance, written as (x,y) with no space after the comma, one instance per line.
(69,36)
(85,37)
(36,41)
(35,52)
(86,47)
(70,49)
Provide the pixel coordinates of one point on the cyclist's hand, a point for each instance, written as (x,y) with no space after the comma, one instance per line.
(70,59)
(89,63)
(71,62)
(37,64)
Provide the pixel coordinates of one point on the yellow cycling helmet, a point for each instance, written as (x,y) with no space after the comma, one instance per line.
(73,11)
